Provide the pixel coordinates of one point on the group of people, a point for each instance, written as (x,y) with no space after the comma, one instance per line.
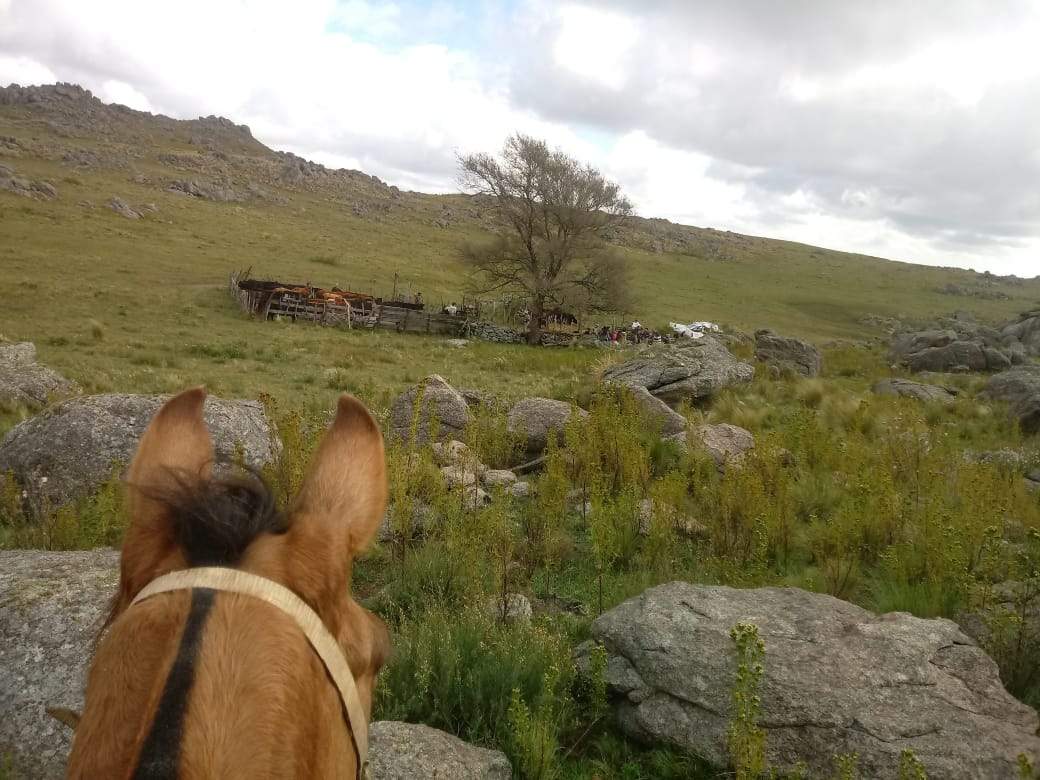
(633,334)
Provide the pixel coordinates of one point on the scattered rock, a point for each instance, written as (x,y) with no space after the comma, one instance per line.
(67,451)
(534,418)
(1020,389)
(24,381)
(458,476)
(519,489)
(440,402)
(406,751)
(516,608)
(724,442)
(449,453)
(122,208)
(787,353)
(27,188)
(693,371)
(499,478)
(837,679)
(917,390)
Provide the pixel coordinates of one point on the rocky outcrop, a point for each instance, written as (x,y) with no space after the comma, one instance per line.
(24,381)
(70,449)
(407,751)
(837,679)
(27,188)
(969,347)
(693,371)
(1026,331)
(51,606)
(1020,389)
(787,353)
(534,419)
(916,390)
(443,408)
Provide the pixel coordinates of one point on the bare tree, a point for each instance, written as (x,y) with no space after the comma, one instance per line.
(555,210)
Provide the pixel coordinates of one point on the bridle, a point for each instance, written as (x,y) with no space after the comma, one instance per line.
(328,649)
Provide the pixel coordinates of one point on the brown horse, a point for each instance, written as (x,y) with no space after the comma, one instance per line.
(200,683)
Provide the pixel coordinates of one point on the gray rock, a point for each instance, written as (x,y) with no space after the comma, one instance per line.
(122,208)
(693,371)
(668,421)
(793,354)
(837,679)
(27,188)
(534,418)
(1025,331)
(1020,389)
(724,442)
(406,751)
(440,402)
(972,348)
(520,489)
(515,608)
(24,381)
(67,451)
(917,390)
(51,608)
(449,453)
(499,478)
(458,476)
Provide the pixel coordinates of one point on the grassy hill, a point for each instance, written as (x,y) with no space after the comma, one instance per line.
(139,304)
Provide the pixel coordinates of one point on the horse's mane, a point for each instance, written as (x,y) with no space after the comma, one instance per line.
(215,520)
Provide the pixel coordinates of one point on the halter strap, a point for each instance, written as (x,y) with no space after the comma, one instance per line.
(234,581)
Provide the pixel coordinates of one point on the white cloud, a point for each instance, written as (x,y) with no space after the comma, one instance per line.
(595,44)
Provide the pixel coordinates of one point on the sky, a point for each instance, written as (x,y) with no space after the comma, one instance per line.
(908,130)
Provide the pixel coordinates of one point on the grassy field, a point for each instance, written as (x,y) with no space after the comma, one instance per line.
(139,305)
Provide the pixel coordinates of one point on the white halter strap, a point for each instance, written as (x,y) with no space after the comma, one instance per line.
(328,650)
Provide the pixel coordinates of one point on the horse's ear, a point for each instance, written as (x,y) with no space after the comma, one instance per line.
(176,450)
(343,496)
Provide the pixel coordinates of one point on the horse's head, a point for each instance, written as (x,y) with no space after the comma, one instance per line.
(181,516)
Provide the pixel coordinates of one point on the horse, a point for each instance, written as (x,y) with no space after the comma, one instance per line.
(197,675)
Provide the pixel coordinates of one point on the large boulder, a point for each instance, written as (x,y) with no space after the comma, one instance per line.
(693,371)
(533,419)
(67,451)
(406,751)
(51,608)
(787,353)
(1025,331)
(950,350)
(1020,389)
(837,679)
(24,381)
(443,408)
(917,390)
(660,415)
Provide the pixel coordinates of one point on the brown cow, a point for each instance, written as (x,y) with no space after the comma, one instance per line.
(201,683)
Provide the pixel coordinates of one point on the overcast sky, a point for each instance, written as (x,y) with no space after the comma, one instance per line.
(909,130)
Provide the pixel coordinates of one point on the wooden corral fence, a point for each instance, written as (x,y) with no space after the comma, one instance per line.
(275,300)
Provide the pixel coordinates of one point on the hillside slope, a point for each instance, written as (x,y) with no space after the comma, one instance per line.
(209,198)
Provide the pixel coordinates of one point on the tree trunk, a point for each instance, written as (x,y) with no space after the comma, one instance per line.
(534,327)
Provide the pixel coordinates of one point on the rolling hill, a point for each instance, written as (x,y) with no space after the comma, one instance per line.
(118,229)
